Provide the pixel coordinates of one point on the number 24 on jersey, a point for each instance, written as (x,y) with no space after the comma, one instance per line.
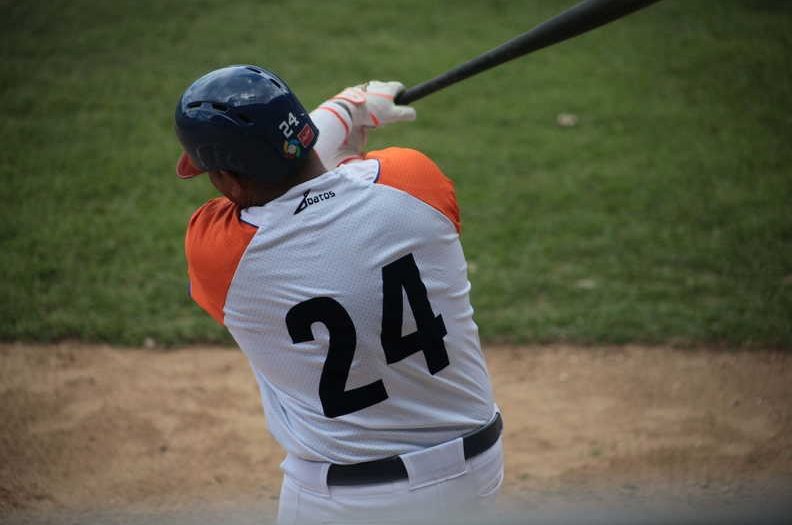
(399,275)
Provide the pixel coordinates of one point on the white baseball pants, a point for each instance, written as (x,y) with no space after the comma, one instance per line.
(441,485)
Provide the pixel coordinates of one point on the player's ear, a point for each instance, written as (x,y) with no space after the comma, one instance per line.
(228,184)
(238,189)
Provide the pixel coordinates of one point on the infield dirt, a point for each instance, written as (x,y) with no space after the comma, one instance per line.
(88,427)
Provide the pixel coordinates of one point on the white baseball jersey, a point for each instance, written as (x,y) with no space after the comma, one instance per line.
(349,296)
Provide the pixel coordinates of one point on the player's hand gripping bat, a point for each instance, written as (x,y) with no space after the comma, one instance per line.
(576,20)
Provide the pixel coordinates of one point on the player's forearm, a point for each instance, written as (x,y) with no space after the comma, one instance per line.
(334,125)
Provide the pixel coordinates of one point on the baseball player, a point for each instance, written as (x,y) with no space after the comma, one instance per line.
(341,276)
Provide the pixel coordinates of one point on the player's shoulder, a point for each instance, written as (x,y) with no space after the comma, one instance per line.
(215,242)
(214,213)
(413,172)
(405,160)
(214,228)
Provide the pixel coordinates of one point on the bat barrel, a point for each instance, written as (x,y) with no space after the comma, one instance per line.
(578,19)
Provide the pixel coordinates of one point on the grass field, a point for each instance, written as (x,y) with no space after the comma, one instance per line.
(663,216)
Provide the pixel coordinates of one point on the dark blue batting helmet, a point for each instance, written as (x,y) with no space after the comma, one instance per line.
(246,120)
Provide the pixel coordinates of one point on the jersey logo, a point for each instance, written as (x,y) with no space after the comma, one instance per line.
(309,201)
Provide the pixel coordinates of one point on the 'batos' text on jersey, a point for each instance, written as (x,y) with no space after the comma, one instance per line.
(308,200)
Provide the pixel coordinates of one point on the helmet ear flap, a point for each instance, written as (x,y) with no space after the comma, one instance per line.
(246,120)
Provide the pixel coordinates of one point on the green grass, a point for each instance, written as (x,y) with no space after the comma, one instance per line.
(664,216)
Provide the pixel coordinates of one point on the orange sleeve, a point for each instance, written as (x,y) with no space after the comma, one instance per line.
(413,172)
(216,239)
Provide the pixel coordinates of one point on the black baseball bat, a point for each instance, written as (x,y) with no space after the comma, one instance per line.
(576,20)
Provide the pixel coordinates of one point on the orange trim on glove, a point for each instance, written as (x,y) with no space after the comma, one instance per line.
(381,95)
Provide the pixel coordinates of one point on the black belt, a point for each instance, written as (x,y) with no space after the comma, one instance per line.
(393,469)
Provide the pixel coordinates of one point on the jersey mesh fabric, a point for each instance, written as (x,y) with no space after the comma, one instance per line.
(347,229)
(414,173)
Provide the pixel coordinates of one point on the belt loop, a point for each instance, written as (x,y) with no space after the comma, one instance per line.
(433,465)
(311,475)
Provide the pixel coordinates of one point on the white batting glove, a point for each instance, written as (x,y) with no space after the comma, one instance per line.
(345,119)
(371,104)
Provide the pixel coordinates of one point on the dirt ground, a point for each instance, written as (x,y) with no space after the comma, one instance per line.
(96,427)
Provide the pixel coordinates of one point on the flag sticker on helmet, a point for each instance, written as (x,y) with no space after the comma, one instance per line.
(306,136)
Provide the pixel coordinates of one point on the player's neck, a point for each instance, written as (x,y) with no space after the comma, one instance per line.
(260,195)
(312,169)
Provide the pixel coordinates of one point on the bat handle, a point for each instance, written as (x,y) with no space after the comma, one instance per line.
(419,91)
(403,97)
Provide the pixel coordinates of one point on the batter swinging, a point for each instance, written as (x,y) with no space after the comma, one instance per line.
(341,276)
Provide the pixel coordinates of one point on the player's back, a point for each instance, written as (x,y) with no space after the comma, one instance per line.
(349,295)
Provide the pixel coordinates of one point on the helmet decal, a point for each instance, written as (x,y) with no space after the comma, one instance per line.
(292,149)
(306,136)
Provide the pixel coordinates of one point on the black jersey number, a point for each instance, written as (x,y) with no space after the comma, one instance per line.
(428,337)
(336,400)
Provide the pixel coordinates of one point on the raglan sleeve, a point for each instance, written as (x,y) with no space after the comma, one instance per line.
(413,172)
(215,242)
